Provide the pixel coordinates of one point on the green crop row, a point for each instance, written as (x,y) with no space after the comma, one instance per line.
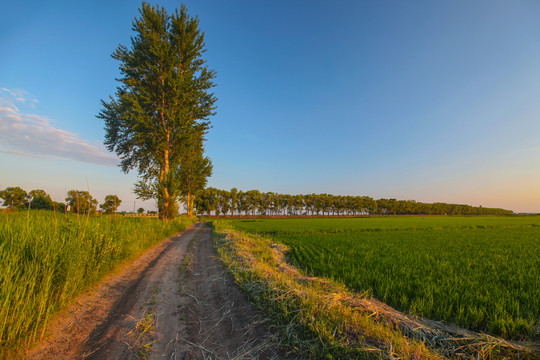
(380,223)
(47,259)
(482,273)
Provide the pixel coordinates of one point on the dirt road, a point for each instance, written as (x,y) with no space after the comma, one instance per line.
(177,301)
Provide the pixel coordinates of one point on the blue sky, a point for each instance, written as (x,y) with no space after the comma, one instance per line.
(424,100)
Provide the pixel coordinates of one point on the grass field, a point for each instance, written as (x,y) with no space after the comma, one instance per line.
(47,259)
(482,273)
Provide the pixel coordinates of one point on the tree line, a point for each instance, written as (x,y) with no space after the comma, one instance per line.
(77,201)
(212,201)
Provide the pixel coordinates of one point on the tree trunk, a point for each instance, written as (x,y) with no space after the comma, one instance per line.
(190,199)
(164,204)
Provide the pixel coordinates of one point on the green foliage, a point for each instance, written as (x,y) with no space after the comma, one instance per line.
(39,193)
(163,104)
(206,201)
(41,203)
(479,272)
(46,260)
(60,207)
(253,202)
(15,197)
(192,174)
(41,200)
(81,202)
(111,204)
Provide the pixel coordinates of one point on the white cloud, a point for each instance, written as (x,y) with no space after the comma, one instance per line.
(8,97)
(33,135)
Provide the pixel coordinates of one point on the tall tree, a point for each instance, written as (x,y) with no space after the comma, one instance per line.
(14,197)
(41,200)
(252,198)
(81,202)
(111,204)
(241,202)
(38,193)
(207,201)
(163,102)
(224,201)
(58,206)
(234,200)
(193,172)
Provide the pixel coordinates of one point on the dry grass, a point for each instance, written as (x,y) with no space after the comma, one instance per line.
(141,342)
(322,319)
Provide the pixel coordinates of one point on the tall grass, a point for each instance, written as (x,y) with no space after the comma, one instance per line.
(482,273)
(47,259)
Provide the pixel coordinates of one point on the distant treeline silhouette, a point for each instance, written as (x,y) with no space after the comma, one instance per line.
(253,202)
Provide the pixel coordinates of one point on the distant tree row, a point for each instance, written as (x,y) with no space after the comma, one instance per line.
(77,201)
(253,202)
(214,201)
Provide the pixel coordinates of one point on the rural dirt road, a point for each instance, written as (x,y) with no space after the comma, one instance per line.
(177,301)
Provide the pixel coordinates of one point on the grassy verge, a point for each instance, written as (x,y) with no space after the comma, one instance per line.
(480,273)
(322,319)
(47,259)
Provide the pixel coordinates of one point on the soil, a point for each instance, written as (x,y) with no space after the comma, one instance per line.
(176,301)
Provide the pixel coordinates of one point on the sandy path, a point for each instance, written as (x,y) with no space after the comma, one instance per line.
(174,302)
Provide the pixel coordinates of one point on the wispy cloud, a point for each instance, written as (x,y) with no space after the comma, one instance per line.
(8,97)
(33,135)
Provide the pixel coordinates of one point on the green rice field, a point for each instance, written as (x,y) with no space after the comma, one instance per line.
(481,272)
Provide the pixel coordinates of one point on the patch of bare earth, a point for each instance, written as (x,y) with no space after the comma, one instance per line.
(221,322)
(176,301)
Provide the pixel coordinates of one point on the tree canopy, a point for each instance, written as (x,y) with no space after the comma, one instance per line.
(41,200)
(192,174)
(163,103)
(81,202)
(15,197)
(253,202)
(110,204)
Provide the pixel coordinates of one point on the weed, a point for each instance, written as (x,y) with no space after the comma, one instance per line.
(142,333)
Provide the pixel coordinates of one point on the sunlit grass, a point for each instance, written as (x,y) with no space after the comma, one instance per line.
(482,273)
(311,314)
(46,259)
(381,223)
